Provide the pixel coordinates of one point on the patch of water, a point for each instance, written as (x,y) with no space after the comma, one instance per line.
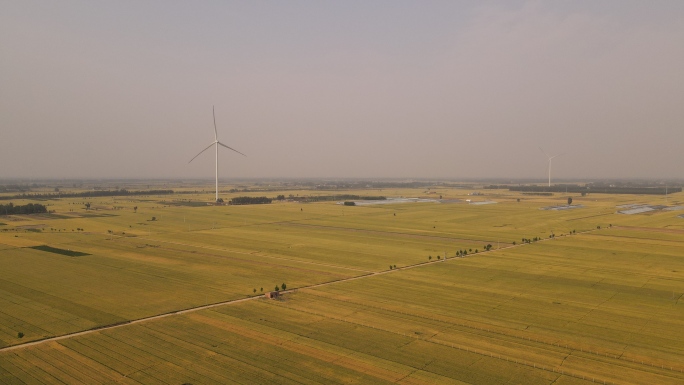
(563,207)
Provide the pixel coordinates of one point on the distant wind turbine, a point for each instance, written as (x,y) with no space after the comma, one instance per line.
(550,158)
(216,143)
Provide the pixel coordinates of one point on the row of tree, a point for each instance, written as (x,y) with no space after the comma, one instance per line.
(250,201)
(571,188)
(277,288)
(327,198)
(31,208)
(86,194)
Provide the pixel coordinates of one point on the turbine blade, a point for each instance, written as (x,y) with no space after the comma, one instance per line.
(215,131)
(556,155)
(544,152)
(231,148)
(208,147)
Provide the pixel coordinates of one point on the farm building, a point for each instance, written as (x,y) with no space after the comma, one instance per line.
(272,294)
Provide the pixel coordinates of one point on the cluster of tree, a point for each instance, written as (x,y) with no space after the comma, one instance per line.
(249,201)
(283,286)
(350,203)
(14,188)
(31,208)
(85,194)
(527,240)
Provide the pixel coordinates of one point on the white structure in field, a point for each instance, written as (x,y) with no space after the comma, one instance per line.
(217,144)
(550,158)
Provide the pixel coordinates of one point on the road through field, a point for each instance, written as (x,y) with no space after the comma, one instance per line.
(209,306)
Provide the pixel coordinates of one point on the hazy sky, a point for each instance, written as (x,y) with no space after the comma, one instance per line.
(342,89)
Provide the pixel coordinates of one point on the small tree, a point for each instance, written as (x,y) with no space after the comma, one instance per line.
(154,219)
(262,289)
(20,335)
(135,209)
(283,286)
(569,201)
(438,258)
(395,266)
(513,243)
(277,288)
(87,205)
(429,257)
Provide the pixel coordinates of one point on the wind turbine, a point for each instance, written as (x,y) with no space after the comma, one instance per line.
(217,144)
(550,158)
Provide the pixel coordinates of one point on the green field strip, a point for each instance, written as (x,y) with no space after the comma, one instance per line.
(28,371)
(423,377)
(99,372)
(316,358)
(46,320)
(146,378)
(251,259)
(372,348)
(331,256)
(643,238)
(591,368)
(11,365)
(163,345)
(297,337)
(51,300)
(243,349)
(10,327)
(589,335)
(141,343)
(445,333)
(6,377)
(61,370)
(102,356)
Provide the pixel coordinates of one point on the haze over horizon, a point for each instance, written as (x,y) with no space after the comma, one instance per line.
(381,89)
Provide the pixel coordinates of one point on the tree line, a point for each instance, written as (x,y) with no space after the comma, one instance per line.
(326,198)
(249,201)
(31,208)
(589,189)
(86,194)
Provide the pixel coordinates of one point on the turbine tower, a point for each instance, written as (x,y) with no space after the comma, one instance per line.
(217,144)
(550,158)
